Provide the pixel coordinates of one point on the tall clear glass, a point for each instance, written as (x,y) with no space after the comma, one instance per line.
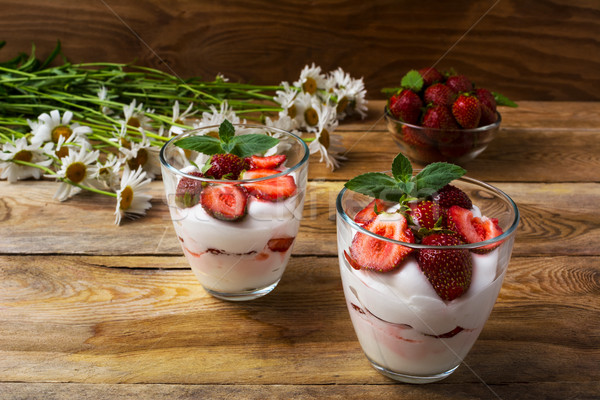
(243,259)
(405,329)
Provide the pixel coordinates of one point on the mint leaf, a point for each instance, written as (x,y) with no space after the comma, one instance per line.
(435,176)
(226,131)
(412,80)
(247,145)
(502,100)
(401,168)
(202,144)
(376,184)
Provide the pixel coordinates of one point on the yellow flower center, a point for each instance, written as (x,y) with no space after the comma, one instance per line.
(311,117)
(125,143)
(310,85)
(292,111)
(23,155)
(139,160)
(76,171)
(134,121)
(342,105)
(214,134)
(63,152)
(324,138)
(59,131)
(126,198)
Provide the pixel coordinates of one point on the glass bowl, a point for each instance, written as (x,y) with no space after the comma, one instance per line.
(426,145)
(405,329)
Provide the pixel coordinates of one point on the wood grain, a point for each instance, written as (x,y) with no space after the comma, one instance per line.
(543,50)
(93,324)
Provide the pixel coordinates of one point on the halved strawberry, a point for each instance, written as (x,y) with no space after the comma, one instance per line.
(188,191)
(448,270)
(473,229)
(377,254)
(224,201)
(280,244)
(368,213)
(267,162)
(276,189)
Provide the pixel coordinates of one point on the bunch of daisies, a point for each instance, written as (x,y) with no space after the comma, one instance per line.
(99,127)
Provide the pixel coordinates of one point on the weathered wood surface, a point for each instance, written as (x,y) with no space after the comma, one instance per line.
(91,310)
(542,50)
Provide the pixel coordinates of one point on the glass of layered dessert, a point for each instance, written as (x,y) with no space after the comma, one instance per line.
(422,258)
(236,196)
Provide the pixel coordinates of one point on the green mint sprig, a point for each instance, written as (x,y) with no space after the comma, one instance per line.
(402,186)
(227,142)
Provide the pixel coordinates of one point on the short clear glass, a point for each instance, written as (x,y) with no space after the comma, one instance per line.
(245,259)
(406,331)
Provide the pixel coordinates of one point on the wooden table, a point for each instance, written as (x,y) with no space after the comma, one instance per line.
(92,310)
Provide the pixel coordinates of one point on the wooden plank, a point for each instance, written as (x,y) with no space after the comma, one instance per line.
(439,391)
(556,219)
(499,45)
(71,319)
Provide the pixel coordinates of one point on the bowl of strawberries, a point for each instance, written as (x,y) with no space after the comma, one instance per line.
(437,116)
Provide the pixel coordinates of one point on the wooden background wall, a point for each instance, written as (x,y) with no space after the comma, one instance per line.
(525,49)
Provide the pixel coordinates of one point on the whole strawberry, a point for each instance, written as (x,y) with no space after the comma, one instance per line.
(450,195)
(439,117)
(430,76)
(225,166)
(467,111)
(448,270)
(459,83)
(406,106)
(188,191)
(439,94)
(488,106)
(425,213)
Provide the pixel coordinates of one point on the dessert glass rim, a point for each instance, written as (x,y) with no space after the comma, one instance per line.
(497,239)
(496,124)
(190,132)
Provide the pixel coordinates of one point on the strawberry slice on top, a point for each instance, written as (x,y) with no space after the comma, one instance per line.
(265,162)
(275,189)
(370,211)
(376,254)
(473,229)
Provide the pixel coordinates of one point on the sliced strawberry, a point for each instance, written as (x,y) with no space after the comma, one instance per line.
(351,260)
(275,189)
(280,244)
(224,201)
(426,213)
(473,229)
(448,270)
(267,162)
(188,191)
(369,212)
(380,255)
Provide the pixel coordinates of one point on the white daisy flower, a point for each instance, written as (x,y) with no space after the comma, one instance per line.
(108,172)
(75,141)
(311,79)
(21,150)
(103,96)
(285,98)
(305,106)
(179,118)
(216,117)
(51,127)
(132,202)
(142,154)
(329,145)
(284,123)
(135,116)
(79,169)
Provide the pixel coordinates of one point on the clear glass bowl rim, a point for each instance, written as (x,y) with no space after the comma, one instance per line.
(510,231)
(191,132)
(484,128)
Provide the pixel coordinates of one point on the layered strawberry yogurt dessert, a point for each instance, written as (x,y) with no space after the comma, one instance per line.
(237,219)
(421,265)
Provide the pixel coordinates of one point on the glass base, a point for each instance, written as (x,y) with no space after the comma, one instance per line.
(412,378)
(243,296)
